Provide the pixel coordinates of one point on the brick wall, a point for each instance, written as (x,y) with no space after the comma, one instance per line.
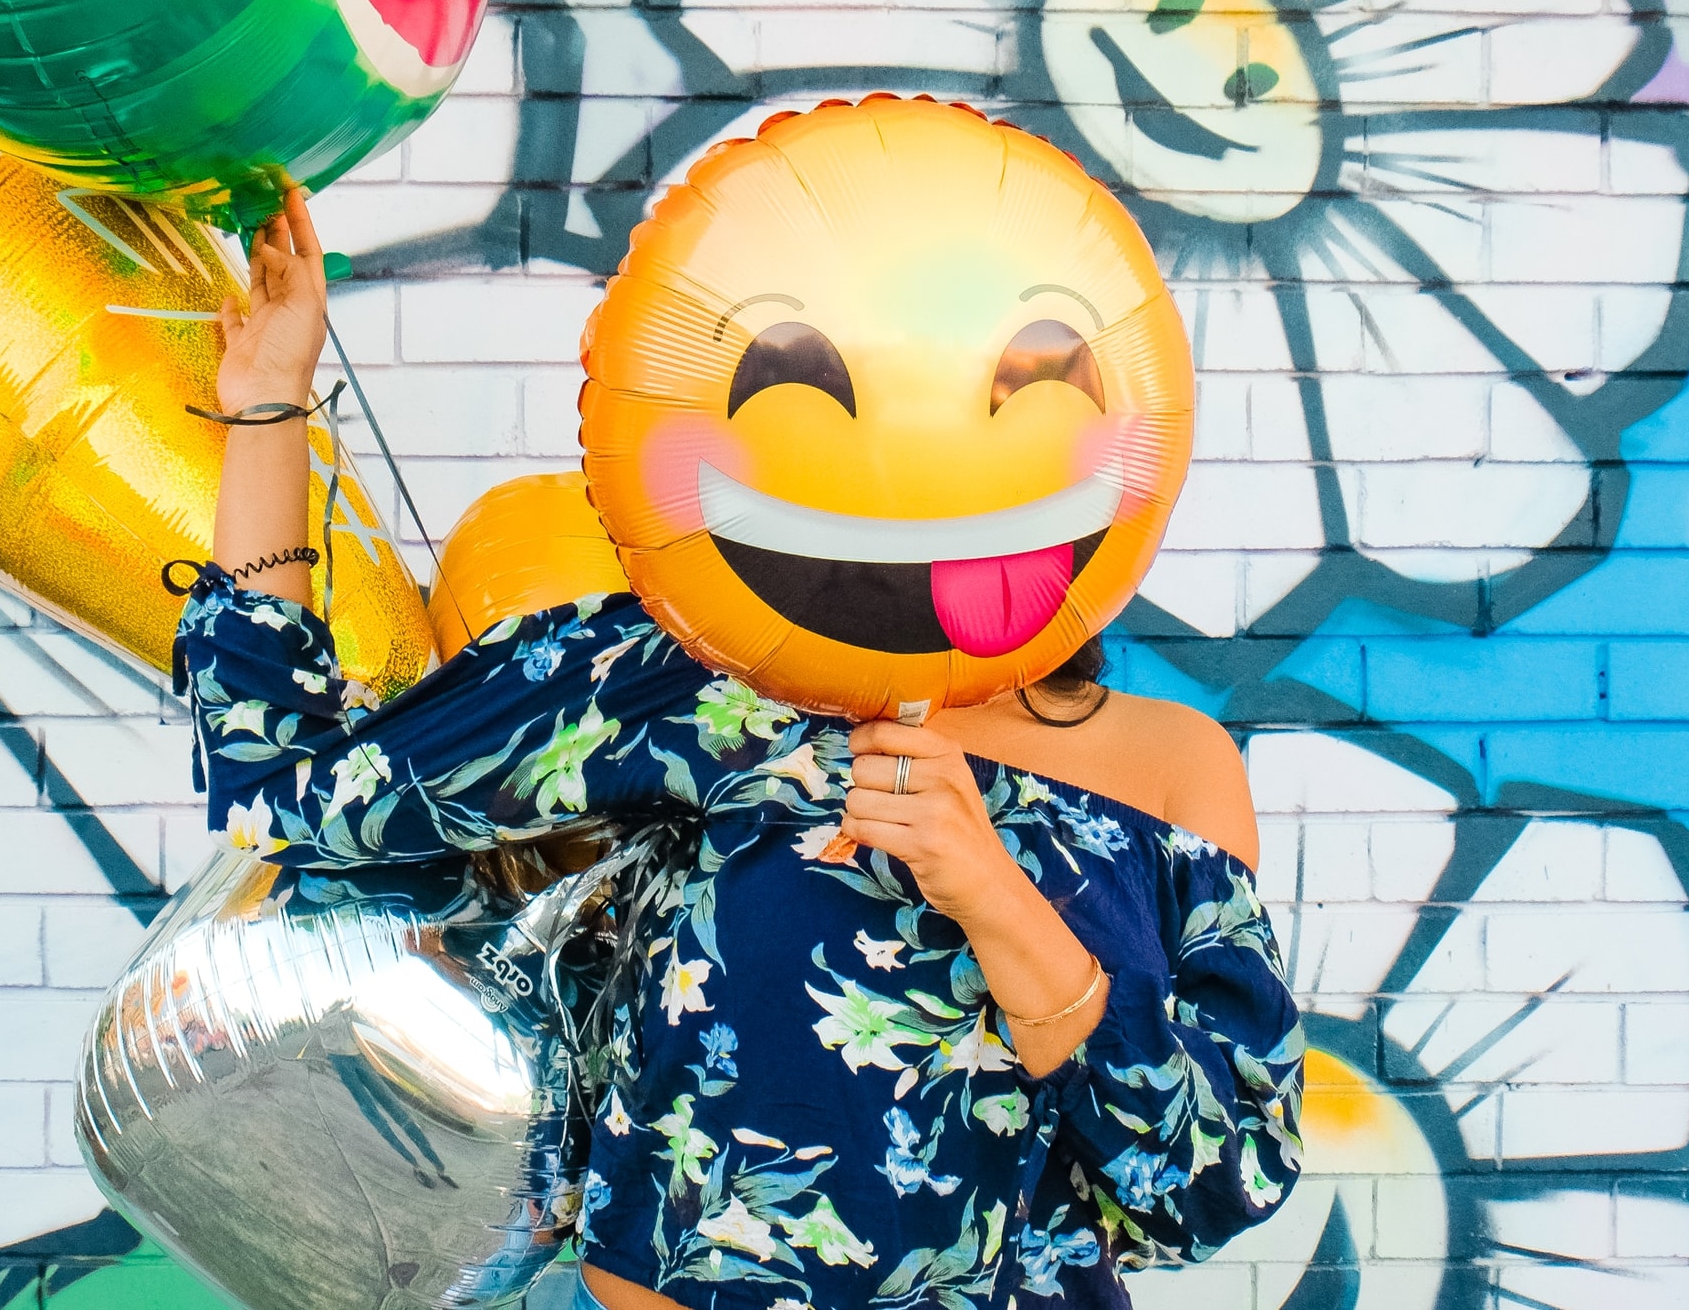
(1432,566)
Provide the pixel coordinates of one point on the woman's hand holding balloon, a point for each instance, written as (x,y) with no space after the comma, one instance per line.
(938,826)
(269,357)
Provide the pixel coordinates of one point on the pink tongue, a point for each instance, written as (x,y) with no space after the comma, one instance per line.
(991,606)
(438,30)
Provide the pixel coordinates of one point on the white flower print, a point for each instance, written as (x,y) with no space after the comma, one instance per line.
(823,1232)
(357,777)
(865,1029)
(269,616)
(981,1051)
(683,987)
(750,1137)
(825,844)
(602,661)
(1032,790)
(1182,842)
(739,1228)
(880,955)
(1003,1114)
(800,764)
(355,696)
(248,830)
(616,1117)
(242,716)
(315,683)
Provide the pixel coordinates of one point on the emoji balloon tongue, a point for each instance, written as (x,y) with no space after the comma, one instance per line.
(990,606)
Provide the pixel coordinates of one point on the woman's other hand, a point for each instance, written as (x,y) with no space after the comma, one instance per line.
(271,352)
(1032,962)
(939,827)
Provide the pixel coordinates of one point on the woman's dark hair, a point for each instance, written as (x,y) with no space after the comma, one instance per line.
(1072,687)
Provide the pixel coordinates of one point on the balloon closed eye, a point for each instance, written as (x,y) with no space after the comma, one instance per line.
(791,352)
(1046,351)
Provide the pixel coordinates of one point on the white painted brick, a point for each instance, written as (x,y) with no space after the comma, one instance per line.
(1246,507)
(1631,319)
(1270,576)
(444,488)
(88,942)
(39,1201)
(1335,862)
(1567,1222)
(1484,1039)
(1408,857)
(187,847)
(61,1125)
(1648,168)
(125,763)
(45,856)
(23,1126)
(1338,956)
(41,1033)
(804,38)
(14,613)
(1198,588)
(613,139)
(375,217)
(364,317)
(1412,59)
(1572,239)
(440,410)
(1549,861)
(1638,868)
(1649,1226)
(1394,418)
(624,58)
(491,66)
(20,945)
(1276,871)
(1545,61)
(1242,329)
(1449,229)
(1438,504)
(469,139)
(1522,430)
(1657,1042)
(18,778)
(551,419)
(1623,951)
(1222,418)
(1411,1211)
(1452,162)
(61,674)
(1610,1121)
(483,321)
(1291,772)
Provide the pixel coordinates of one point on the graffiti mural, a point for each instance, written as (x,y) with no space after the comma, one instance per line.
(1432,567)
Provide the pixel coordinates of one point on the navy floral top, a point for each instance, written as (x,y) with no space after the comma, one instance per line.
(828,1109)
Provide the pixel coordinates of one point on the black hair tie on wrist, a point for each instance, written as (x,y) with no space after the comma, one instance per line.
(297,555)
(258,416)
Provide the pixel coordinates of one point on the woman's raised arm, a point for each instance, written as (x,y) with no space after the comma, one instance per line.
(271,353)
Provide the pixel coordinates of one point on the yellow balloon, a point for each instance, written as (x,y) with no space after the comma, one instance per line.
(887,409)
(526,545)
(107,330)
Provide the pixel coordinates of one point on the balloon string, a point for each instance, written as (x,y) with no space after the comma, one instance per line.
(393,468)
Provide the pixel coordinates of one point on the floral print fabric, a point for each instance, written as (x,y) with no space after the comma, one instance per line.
(827,1109)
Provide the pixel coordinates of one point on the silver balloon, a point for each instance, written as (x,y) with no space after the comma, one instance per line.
(349,1092)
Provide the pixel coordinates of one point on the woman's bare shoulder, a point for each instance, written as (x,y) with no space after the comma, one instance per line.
(1188,764)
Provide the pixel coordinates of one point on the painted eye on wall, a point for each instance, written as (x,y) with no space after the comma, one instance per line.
(791,352)
(1046,351)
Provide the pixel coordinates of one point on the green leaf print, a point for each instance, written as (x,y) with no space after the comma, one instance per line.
(555,771)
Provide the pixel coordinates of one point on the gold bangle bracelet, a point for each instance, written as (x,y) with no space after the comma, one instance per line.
(1059,1015)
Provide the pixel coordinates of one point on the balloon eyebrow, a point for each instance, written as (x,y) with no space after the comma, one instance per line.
(1060,290)
(791,302)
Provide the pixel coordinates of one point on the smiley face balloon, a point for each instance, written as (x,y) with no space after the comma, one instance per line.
(887,408)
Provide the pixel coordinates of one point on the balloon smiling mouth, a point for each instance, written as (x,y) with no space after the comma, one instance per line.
(874,582)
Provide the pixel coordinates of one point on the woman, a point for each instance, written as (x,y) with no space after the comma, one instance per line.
(962,1012)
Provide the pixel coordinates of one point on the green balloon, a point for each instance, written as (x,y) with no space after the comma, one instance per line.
(220,105)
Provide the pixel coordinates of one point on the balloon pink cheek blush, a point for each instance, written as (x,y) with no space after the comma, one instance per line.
(669,464)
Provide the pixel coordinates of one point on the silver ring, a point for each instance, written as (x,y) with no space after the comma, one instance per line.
(901,786)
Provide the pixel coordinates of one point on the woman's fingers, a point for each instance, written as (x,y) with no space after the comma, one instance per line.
(864,803)
(298,219)
(879,772)
(885,737)
(257,293)
(231,320)
(887,837)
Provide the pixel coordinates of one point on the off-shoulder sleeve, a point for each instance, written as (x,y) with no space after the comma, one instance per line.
(1182,1106)
(585,707)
